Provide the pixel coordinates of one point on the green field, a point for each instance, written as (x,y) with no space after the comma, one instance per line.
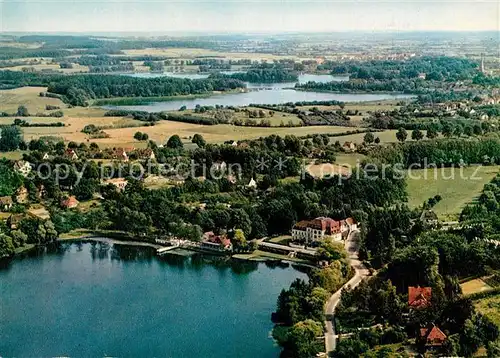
(490,307)
(457,187)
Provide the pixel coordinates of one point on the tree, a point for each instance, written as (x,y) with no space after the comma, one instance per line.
(6,246)
(301,339)
(11,138)
(494,349)
(369,138)
(377,140)
(199,140)
(416,134)
(432,132)
(350,348)
(401,135)
(174,142)
(239,239)
(22,111)
(19,238)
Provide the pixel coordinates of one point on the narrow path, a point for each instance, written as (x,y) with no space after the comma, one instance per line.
(360,272)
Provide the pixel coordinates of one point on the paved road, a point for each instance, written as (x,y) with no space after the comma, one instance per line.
(360,272)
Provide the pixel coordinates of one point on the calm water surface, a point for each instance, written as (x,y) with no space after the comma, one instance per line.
(93,299)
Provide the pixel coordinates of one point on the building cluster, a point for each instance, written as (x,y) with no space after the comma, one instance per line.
(322,228)
(420,298)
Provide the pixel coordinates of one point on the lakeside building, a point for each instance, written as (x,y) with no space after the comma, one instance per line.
(322,228)
(216,242)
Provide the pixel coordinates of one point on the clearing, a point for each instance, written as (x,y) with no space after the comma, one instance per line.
(457,187)
(474,286)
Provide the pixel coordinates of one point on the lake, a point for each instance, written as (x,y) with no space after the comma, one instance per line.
(95,299)
(260,93)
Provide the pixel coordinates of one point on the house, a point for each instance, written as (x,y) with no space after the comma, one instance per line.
(120,154)
(233,143)
(70,203)
(22,195)
(252,183)
(349,146)
(216,242)
(14,220)
(119,183)
(429,218)
(432,336)
(46,156)
(352,224)
(5,203)
(422,76)
(70,154)
(145,154)
(23,167)
(419,297)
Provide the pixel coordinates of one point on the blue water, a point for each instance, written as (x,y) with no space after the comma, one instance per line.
(93,300)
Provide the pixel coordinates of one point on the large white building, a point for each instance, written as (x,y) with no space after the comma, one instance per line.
(321,228)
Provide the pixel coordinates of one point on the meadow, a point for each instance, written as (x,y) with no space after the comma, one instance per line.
(457,187)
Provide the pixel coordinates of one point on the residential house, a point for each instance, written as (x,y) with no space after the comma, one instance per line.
(70,154)
(429,218)
(22,195)
(419,297)
(352,224)
(349,146)
(46,156)
(432,336)
(70,203)
(252,183)
(216,242)
(233,143)
(23,167)
(6,203)
(145,154)
(14,220)
(422,76)
(120,154)
(119,183)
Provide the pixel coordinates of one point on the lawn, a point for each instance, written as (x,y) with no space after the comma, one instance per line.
(457,187)
(474,286)
(490,307)
(17,155)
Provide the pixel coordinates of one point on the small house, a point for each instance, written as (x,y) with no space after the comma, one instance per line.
(70,203)
(23,167)
(120,154)
(70,154)
(252,183)
(14,220)
(119,183)
(432,336)
(6,203)
(419,297)
(22,195)
(349,146)
(422,76)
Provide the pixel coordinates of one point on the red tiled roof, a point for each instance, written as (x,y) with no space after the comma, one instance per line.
(71,201)
(419,297)
(433,335)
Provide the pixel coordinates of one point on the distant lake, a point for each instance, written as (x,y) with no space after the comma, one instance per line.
(259,96)
(96,300)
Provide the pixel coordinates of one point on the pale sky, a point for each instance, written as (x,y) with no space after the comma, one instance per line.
(247,16)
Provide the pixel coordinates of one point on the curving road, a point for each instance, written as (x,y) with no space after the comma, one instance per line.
(360,273)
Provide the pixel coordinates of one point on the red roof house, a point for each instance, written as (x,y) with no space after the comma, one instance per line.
(419,297)
(432,336)
(70,203)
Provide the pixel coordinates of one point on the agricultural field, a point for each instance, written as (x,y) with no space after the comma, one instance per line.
(52,67)
(387,136)
(326,169)
(29,97)
(457,187)
(189,53)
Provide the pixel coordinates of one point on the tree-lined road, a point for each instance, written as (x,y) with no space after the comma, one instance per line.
(351,246)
